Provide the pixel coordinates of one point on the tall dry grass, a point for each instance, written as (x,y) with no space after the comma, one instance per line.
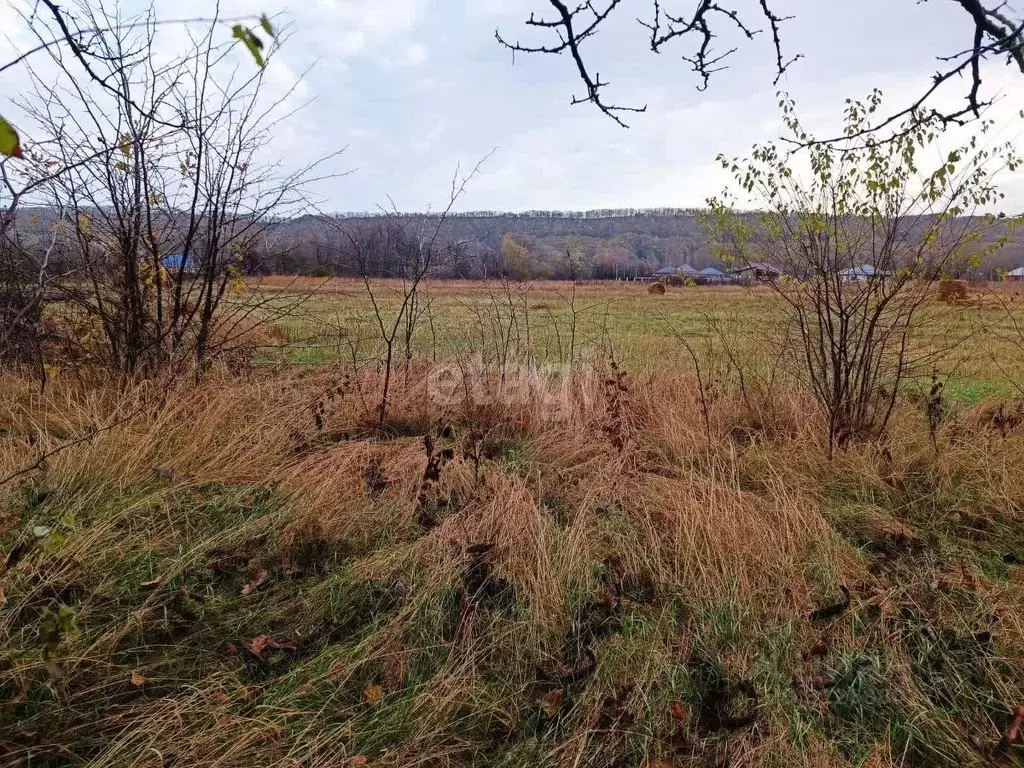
(547,594)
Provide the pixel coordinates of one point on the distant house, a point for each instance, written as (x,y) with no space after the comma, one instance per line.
(712,276)
(861,274)
(759,271)
(1015,274)
(671,270)
(173,263)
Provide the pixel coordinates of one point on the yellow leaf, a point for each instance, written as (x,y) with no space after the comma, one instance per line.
(10,143)
(373,694)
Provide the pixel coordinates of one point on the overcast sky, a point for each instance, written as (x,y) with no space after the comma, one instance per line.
(415,88)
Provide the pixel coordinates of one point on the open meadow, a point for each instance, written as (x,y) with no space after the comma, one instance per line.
(976,345)
(660,570)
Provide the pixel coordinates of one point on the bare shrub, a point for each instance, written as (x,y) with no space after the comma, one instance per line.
(153,217)
(863,240)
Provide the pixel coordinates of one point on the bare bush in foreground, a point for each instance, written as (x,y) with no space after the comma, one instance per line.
(859,241)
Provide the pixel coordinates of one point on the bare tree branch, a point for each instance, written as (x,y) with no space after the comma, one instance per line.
(570,39)
(994,31)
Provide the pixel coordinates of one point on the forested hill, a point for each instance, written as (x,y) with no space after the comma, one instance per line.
(603,243)
(538,244)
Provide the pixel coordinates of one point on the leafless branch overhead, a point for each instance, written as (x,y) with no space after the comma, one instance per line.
(995,30)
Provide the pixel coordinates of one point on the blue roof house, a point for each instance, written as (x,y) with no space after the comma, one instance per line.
(173,263)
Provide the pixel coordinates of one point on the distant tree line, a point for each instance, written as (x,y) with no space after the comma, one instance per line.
(550,245)
(553,245)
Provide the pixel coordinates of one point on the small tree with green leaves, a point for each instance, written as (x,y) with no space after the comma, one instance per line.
(862,234)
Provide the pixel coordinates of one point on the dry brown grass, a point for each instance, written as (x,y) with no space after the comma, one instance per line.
(636,558)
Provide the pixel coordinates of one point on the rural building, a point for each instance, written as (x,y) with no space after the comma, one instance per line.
(1015,274)
(712,276)
(667,271)
(861,274)
(671,270)
(757,270)
(174,262)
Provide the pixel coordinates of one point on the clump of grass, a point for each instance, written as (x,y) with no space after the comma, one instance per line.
(216,583)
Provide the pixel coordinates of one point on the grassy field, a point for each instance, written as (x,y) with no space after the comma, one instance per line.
(977,346)
(248,571)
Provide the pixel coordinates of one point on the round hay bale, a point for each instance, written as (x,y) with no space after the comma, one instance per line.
(953,290)
(656,289)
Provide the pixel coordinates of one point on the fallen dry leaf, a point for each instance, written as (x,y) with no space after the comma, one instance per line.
(1014,731)
(679,712)
(137,679)
(551,703)
(220,698)
(372,694)
(358,760)
(661,764)
(261,643)
(287,645)
(232,649)
(255,583)
(153,583)
(257,645)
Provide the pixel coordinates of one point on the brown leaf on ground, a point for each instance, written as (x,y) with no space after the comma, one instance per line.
(232,649)
(257,645)
(661,764)
(551,703)
(261,644)
(1014,731)
(679,712)
(358,761)
(153,583)
(219,697)
(137,679)
(372,694)
(257,580)
(287,645)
